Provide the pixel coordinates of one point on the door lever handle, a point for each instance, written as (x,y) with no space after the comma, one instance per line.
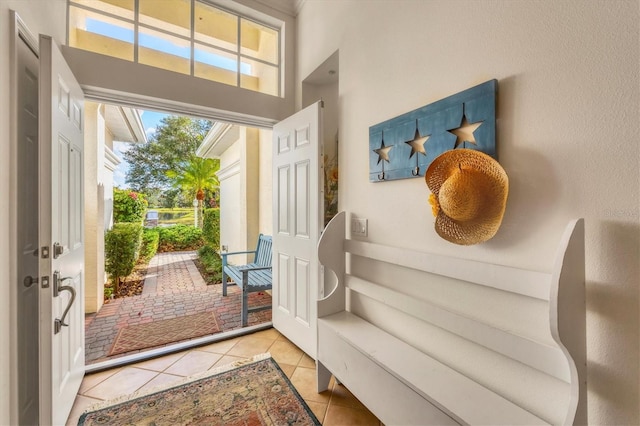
(57,288)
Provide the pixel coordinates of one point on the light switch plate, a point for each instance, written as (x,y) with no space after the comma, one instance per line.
(359,227)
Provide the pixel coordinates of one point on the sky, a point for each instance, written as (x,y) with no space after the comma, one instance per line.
(150,120)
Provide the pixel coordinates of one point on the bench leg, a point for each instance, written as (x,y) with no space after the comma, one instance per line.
(224,282)
(323,376)
(245,308)
(245,298)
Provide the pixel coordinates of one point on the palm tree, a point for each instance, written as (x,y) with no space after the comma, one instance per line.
(195,177)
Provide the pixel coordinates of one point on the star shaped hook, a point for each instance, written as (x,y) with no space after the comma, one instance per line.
(464,133)
(383,152)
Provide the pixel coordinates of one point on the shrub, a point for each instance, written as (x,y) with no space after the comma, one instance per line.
(122,245)
(128,206)
(150,240)
(211,228)
(180,238)
(212,264)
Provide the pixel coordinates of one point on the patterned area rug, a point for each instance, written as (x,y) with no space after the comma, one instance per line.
(158,333)
(247,393)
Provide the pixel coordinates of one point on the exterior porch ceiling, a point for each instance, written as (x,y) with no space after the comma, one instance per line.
(125,124)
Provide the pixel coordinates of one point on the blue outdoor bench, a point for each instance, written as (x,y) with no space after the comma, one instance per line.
(251,277)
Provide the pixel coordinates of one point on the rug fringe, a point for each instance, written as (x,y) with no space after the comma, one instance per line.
(222,369)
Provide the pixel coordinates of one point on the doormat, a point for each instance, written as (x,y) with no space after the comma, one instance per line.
(251,392)
(158,333)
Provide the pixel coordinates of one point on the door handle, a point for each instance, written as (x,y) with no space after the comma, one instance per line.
(29,281)
(57,288)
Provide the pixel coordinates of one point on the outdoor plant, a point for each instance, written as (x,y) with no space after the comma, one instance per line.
(195,177)
(108,292)
(128,206)
(211,228)
(121,245)
(149,247)
(180,238)
(212,264)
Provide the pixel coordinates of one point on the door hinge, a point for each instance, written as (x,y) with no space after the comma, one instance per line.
(45,252)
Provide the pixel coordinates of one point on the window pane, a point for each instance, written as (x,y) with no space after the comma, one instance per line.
(259,41)
(216,27)
(122,8)
(215,65)
(164,51)
(259,77)
(170,15)
(101,34)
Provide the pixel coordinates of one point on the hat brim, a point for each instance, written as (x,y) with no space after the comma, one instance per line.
(487,224)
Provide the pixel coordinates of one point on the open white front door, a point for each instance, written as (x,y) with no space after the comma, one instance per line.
(61,299)
(297,216)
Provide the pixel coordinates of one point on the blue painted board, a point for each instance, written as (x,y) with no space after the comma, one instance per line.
(397,149)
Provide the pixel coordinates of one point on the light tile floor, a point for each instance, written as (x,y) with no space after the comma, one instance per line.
(336,406)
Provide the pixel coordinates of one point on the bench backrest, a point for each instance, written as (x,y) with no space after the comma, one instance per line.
(263,251)
(517,332)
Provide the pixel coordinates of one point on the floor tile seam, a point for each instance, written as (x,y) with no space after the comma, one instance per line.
(116,370)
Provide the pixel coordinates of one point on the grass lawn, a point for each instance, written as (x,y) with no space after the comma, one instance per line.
(175,216)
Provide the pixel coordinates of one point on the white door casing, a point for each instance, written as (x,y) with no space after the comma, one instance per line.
(297,224)
(26,220)
(61,234)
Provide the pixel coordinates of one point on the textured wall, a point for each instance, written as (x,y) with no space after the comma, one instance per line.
(568,103)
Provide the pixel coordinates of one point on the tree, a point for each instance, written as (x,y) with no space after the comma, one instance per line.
(174,142)
(195,177)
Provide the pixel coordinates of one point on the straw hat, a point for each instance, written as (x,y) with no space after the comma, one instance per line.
(469,195)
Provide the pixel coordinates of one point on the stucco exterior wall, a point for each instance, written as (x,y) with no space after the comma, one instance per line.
(567,130)
(245,191)
(93,223)
(265,182)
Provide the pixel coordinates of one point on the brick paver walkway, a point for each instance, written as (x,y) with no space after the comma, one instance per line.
(173,287)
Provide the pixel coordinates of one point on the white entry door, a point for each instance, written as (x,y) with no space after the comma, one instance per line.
(297,216)
(61,298)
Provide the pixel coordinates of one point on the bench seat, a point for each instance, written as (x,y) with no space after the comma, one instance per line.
(364,356)
(258,279)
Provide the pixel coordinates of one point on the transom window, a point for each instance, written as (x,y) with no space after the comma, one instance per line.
(193,37)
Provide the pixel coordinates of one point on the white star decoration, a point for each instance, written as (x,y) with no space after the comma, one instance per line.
(464,133)
(383,152)
(417,144)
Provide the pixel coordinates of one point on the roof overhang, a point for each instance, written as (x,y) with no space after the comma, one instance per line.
(124,123)
(220,137)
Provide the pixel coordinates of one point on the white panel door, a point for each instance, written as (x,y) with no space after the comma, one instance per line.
(297,216)
(61,299)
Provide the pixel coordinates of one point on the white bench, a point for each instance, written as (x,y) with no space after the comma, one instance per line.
(419,352)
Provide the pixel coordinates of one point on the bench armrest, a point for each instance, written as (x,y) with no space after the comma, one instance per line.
(256,268)
(236,252)
(224,255)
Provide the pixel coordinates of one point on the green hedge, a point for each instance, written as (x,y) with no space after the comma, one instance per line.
(180,238)
(128,206)
(211,228)
(212,264)
(122,245)
(150,240)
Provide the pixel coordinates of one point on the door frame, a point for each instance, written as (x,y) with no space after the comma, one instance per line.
(20,33)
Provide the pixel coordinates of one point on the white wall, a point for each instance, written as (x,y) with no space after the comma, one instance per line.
(243,187)
(232,217)
(567,130)
(40,17)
